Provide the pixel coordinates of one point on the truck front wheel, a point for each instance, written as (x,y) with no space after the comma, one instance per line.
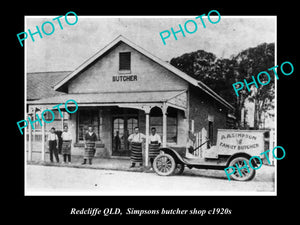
(164,164)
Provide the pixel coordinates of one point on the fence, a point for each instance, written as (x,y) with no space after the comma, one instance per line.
(36,139)
(36,136)
(200,138)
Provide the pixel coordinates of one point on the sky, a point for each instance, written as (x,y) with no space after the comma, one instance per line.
(66,49)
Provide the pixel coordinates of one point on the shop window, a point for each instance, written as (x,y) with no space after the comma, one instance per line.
(124,61)
(88,117)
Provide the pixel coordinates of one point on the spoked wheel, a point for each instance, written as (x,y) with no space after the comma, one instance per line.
(179,169)
(164,164)
(240,162)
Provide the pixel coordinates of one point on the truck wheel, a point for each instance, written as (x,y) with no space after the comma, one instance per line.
(164,164)
(179,169)
(246,175)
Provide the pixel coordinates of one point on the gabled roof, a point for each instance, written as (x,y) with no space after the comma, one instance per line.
(164,64)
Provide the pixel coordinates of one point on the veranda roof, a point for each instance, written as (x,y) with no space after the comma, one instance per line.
(110,97)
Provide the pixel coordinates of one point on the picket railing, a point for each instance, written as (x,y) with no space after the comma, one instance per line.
(200,138)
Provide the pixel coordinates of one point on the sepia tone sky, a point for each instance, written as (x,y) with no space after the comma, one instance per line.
(66,49)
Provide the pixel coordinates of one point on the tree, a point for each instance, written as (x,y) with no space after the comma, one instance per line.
(217,74)
(196,64)
(204,66)
(251,62)
(220,74)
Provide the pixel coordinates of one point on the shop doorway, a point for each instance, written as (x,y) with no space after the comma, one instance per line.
(122,126)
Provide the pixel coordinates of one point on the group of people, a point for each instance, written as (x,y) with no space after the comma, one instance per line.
(53,141)
(136,140)
(66,138)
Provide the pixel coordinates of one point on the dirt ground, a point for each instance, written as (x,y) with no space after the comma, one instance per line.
(60,179)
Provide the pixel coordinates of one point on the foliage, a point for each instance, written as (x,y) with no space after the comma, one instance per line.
(219,74)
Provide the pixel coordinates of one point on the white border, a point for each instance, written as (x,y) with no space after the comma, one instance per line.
(83,193)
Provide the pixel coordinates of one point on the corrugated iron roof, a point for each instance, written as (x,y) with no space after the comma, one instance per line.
(40,84)
(111,97)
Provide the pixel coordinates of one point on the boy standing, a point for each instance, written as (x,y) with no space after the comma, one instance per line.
(53,144)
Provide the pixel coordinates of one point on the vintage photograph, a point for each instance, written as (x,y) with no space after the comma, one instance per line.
(150,105)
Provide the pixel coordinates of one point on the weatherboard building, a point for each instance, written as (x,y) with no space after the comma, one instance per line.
(120,87)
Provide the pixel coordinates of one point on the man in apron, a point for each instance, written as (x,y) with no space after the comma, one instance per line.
(66,145)
(90,139)
(136,140)
(155,142)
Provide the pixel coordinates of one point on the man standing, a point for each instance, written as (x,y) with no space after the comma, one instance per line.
(53,144)
(90,139)
(155,142)
(136,139)
(66,144)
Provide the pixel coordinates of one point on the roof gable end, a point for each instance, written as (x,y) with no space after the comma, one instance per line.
(112,44)
(164,64)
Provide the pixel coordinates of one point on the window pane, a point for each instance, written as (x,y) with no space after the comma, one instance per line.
(88,117)
(124,61)
(131,124)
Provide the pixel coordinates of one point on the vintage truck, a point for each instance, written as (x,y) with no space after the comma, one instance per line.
(232,147)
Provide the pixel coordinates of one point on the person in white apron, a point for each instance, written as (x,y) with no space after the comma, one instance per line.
(136,140)
(66,144)
(154,144)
